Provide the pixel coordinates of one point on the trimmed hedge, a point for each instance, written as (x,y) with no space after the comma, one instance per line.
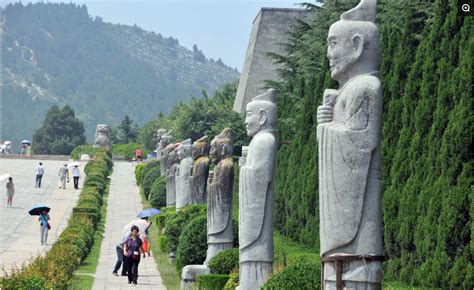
(192,245)
(148,167)
(157,195)
(298,276)
(225,261)
(56,268)
(148,179)
(138,172)
(212,281)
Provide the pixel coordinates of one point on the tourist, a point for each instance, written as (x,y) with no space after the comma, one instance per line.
(121,259)
(146,240)
(39,175)
(138,155)
(44,226)
(63,176)
(10,191)
(133,249)
(75,175)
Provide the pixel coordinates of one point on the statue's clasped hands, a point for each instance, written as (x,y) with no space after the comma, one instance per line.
(324,114)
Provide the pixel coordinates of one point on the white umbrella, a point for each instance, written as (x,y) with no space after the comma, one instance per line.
(141,224)
(7,142)
(72,164)
(5,176)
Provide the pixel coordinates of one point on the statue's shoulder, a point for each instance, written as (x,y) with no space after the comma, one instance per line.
(227,163)
(203,160)
(264,139)
(367,83)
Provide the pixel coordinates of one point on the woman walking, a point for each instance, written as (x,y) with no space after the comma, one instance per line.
(10,191)
(132,250)
(44,226)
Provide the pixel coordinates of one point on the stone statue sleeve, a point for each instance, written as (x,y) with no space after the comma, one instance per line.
(255,179)
(220,198)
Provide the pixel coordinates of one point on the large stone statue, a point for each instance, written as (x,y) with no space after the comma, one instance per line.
(256,186)
(219,196)
(183,173)
(173,162)
(166,146)
(102,136)
(159,133)
(200,171)
(349,123)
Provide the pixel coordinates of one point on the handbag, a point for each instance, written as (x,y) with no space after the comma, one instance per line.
(48,226)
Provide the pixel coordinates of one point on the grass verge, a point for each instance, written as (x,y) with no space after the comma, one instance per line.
(83,277)
(169,275)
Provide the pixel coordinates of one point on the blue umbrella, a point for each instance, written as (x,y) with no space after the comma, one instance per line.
(38,209)
(148,212)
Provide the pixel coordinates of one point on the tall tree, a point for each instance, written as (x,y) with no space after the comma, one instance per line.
(127,131)
(60,133)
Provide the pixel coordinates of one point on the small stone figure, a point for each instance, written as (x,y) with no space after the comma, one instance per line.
(166,147)
(102,136)
(219,196)
(256,186)
(349,126)
(171,178)
(183,173)
(200,172)
(159,133)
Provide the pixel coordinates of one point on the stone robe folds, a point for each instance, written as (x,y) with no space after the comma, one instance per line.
(256,187)
(171,185)
(164,164)
(219,203)
(182,182)
(349,171)
(198,180)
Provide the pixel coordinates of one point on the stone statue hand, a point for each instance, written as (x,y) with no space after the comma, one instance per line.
(242,161)
(324,114)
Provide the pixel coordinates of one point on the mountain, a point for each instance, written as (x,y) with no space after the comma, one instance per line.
(59,54)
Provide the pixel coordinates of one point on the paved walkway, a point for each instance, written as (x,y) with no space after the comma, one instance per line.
(20,238)
(123,205)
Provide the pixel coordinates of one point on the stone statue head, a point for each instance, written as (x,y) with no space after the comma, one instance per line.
(221,146)
(166,139)
(159,133)
(261,113)
(200,147)
(184,149)
(354,43)
(173,156)
(102,129)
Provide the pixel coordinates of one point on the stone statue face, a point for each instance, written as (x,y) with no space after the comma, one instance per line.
(215,152)
(172,157)
(196,151)
(102,128)
(344,49)
(160,133)
(254,119)
(183,151)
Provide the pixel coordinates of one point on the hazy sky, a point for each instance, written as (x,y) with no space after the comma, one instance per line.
(220,28)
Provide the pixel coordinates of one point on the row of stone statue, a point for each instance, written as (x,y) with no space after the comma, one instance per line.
(189,181)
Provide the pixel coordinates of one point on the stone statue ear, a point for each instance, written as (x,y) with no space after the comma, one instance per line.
(263,116)
(223,149)
(358,43)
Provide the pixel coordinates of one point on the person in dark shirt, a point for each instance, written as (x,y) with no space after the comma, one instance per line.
(132,249)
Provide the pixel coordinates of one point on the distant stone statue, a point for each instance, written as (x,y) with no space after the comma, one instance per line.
(256,186)
(159,133)
(219,196)
(200,172)
(173,162)
(166,146)
(349,124)
(183,173)
(102,136)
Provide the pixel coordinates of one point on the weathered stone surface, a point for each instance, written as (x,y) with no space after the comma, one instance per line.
(349,125)
(173,160)
(159,133)
(190,273)
(183,173)
(102,136)
(256,187)
(269,31)
(200,171)
(219,196)
(166,146)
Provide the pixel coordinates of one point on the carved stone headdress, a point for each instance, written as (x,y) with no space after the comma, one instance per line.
(225,137)
(365,11)
(202,144)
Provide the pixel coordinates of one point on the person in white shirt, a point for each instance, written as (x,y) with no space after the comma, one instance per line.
(75,175)
(39,175)
(63,175)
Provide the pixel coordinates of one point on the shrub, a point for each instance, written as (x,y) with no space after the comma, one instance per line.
(212,281)
(233,281)
(176,221)
(225,261)
(192,245)
(138,172)
(82,149)
(150,177)
(148,167)
(157,195)
(298,276)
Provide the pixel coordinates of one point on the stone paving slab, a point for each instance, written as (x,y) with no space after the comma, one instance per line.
(124,203)
(20,239)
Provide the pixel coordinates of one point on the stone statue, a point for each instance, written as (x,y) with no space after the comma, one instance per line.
(256,186)
(166,146)
(219,196)
(349,125)
(200,171)
(171,177)
(183,173)
(102,136)
(159,133)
